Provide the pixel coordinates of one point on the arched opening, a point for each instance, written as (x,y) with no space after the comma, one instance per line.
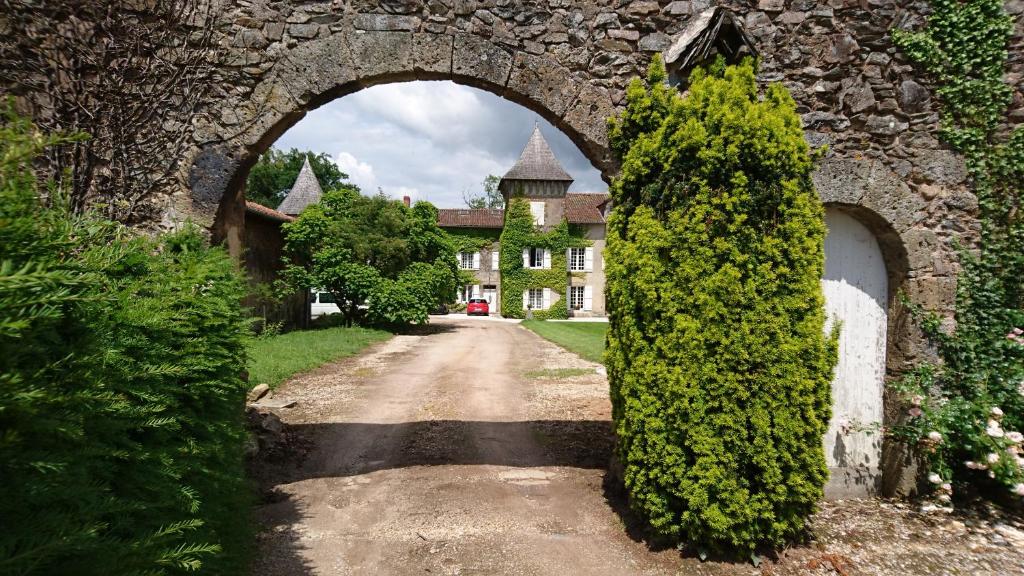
(856,287)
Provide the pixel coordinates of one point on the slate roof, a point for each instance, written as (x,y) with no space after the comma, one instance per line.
(304,192)
(580,208)
(585,208)
(713,30)
(268,213)
(471,218)
(537,162)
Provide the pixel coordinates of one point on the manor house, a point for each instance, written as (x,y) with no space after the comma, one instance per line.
(539,178)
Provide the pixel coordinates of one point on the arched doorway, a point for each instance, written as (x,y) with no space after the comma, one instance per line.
(856,287)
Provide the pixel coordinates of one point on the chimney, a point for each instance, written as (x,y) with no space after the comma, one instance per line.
(406,200)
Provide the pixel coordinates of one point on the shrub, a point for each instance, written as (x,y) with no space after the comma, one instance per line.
(718,360)
(121,422)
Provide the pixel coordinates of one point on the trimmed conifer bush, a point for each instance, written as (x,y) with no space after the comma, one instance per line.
(121,362)
(718,360)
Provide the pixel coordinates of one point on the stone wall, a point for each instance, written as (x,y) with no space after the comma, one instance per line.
(571,61)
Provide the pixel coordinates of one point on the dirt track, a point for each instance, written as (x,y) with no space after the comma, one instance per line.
(444,453)
(447,453)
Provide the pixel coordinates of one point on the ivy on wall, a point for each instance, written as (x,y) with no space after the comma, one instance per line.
(472,239)
(519,233)
(966,413)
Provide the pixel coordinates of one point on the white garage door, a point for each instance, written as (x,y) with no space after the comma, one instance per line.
(856,293)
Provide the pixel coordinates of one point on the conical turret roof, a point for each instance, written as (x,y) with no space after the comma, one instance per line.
(304,192)
(537,162)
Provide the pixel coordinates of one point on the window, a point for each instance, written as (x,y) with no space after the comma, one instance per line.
(535,299)
(536,258)
(466,260)
(577,259)
(326,298)
(576,297)
(537,209)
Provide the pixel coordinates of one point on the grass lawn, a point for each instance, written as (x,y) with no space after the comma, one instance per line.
(275,359)
(583,338)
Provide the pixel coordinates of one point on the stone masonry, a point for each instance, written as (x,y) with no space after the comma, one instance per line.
(571,61)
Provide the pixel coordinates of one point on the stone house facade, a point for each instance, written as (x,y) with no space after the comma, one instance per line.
(539,178)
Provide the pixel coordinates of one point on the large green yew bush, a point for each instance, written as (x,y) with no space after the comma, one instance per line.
(717,355)
(121,390)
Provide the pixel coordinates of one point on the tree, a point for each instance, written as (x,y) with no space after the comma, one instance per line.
(490,198)
(372,250)
(718,361)
(275,172)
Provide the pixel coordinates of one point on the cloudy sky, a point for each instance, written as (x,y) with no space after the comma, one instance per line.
(430,140)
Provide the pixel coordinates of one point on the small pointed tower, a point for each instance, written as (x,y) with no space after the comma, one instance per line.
(304,192)
(540,178)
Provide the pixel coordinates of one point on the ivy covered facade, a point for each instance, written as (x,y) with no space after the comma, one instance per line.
(542,255)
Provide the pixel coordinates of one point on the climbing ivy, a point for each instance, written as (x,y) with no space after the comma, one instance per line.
(520,233)
(966,411)
(472,239)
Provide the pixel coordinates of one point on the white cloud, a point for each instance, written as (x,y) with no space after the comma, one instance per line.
(360,173)
(429,140)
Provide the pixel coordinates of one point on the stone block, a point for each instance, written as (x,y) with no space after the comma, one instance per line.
(933,293)
(315,67)
(304,31)
(542,81)
(921,245)
(654,42)
(250,39)
(941,166)
(381,53)
(913,97)
(643,8)
(432,52)
(630,35)
(587,116)
(386,22)
(480,62)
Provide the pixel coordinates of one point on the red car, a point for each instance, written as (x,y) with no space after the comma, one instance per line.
(477,306)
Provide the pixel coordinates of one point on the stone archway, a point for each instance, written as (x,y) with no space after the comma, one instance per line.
(320,70)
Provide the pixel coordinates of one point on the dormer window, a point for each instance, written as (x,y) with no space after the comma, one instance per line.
(537,209)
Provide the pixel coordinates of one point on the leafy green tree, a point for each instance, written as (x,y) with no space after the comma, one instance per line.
(717,356)
(490,197)
(373,250)
(274,173)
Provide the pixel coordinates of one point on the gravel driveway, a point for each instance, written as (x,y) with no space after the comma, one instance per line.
(476,447)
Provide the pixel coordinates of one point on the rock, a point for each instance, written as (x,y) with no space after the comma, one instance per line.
(304,31)
(249,38)
(260,391)
(913,97)
(771,5)
(606,20)
(885,125)
(678,8)
(630,35)
(858,96)
(654,42)
(643,8)
(385,22)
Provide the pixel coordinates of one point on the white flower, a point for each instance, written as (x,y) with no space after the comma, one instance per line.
(935,436)
(944,498)
(996,411)
(1015,437)
(1019,489)
(994,430)
(916,400)
(935,478)
(991,474)
(970,464)
(947,487)
(992,457)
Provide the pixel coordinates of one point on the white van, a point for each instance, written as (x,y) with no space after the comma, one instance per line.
(322,304)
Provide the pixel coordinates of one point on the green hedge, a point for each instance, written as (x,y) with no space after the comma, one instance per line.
(121,418)
(717,356)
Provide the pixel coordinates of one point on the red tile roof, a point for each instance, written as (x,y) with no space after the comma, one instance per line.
(268,213)
(585,208)
(470,218)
